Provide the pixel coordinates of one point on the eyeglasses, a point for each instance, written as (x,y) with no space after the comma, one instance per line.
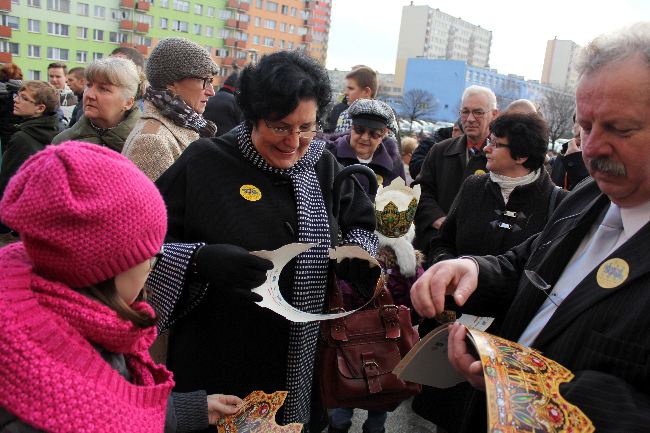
(22,98)
(373,133)
(207,81)
(155,259)
(492,141)
(285,131)
(478,113)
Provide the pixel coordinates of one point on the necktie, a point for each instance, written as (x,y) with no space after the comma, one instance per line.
(599,247)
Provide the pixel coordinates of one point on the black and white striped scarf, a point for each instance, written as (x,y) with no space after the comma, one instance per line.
(310,276)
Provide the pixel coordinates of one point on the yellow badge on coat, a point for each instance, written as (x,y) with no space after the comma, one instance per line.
(612,273)
(250,192)
(479,172)
(380,179)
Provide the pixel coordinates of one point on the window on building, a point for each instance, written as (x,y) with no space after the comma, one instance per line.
(113,37)
(99,12)
(269,24)
(34,51)
(181,5)
(283,27)
(58,29)
(15,2)
(224,33)
(59,5)
(209,31)
(123,37)
(224,14)
(259,4)
(10,47)
(257,21)
(289,45)
(34,3)
(294,12)
(33,26)
(97,56)
(163,23)
(11,21)
(241,55)
(35,75)
(82,32)
(243,18)
(221,52)
(197,29)
(82,56)
(98,35)
(198,9)
(210,11)
(292,29)
(256,40)
(269,42)
(241,36)
(181,26)
(57,53)
(83,9)
(271,6)
(285,10)
(143,40)
(142,18)
(281,44)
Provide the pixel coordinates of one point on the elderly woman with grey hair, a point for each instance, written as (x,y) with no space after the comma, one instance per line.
(109,114)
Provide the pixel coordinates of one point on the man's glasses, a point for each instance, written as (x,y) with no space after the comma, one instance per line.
(374,133)
(478,113)
(206,81)
(285,131)
(22,98)
(156,259)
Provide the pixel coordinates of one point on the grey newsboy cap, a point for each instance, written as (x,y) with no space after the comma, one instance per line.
(176,58)
(371,113)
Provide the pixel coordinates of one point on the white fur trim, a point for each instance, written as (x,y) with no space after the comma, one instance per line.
(404,251)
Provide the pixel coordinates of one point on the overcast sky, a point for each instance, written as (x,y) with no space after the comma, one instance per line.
(366,31)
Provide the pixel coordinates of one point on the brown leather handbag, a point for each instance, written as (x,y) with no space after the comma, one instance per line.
(357,353)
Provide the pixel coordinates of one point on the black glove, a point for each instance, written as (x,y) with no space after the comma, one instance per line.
(233,268)
(359,273)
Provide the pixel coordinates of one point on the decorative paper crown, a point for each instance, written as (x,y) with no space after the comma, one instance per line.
(395,207)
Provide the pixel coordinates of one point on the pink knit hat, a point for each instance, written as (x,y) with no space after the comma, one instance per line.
(84,212)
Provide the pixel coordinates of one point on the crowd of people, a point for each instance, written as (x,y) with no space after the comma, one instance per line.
(132,195)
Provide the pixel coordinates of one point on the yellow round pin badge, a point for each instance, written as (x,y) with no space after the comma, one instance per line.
(250,192)
(380,179)
(479,172)
(612,273)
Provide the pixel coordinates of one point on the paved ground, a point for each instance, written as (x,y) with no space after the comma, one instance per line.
(402,420)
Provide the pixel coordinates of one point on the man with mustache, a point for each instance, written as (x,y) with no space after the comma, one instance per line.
(593,317)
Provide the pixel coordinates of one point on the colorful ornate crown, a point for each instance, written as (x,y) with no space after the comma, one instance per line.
(395,207)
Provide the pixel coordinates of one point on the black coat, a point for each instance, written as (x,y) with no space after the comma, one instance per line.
(481,223)
(445,168)
(223,110)
(32,135)
(601,335)
(229,345)
(568,170)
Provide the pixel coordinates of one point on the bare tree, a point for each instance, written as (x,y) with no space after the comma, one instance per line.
(557,108)
(417,104)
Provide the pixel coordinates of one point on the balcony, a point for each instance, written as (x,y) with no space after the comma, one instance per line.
(141,48)
(5,32)
(126,25)
(240,44)
(142,27)
(230,42)
(227,61)
(244,6)
(5,6)
(306,38)
(5,58)
(241,62)
(242,25)
(127,4)
(143,5)
(232,4)
(231,23)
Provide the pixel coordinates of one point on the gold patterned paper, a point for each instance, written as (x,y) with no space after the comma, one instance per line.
(522,388)
(258,415)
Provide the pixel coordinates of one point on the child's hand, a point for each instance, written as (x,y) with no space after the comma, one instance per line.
(220,405)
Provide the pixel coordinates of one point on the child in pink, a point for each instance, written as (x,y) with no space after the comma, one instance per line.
(74,333)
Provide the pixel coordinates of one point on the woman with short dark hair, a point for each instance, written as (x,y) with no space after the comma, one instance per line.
(265,184)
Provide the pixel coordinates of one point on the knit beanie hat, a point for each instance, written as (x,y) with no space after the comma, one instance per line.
(84,212)
(176,58)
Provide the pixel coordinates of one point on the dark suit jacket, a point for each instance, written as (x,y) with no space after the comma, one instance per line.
(601,335)
(443,172)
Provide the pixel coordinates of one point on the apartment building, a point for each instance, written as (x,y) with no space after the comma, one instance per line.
(429,33)
(34,33)
(559,68)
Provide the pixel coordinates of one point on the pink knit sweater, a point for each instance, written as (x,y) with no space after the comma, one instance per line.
(51,376)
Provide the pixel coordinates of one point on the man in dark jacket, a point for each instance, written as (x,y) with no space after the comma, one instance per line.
(222,108)
(449,162)
(77,83)
(568,168)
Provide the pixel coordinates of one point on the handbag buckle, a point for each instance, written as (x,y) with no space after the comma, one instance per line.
(390,317)
(371,371)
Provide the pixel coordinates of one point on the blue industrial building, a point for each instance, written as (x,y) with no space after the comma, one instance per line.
(447,79)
